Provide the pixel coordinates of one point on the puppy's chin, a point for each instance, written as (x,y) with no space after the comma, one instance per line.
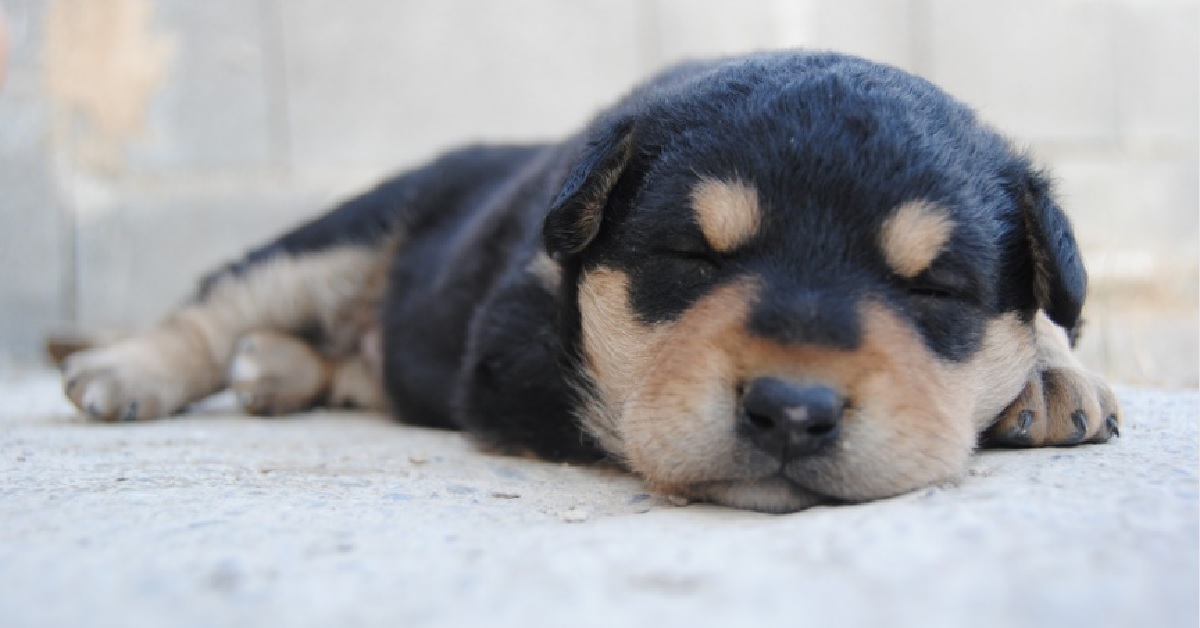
(770,494)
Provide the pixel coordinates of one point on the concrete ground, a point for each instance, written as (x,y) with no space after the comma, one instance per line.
(346,520)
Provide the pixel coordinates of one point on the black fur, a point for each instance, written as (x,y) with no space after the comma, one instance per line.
(831,143)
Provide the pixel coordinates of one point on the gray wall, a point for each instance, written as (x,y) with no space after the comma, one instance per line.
(143,141)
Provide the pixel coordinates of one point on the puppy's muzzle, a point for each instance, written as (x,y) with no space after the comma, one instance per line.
(788,419)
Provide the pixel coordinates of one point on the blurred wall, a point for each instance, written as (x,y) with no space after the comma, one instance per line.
(144,141)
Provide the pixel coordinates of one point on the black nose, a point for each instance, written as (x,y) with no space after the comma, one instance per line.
(790,419)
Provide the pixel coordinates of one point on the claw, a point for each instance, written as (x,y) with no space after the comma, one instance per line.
(1018,435)
(1080,420)
(130,412)
(1111,424)
(1024,421)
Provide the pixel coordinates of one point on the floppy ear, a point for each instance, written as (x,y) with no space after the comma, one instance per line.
(574,217)
(1059,278)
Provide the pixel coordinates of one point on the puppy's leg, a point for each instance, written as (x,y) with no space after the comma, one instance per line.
(1062,403)
(184,359)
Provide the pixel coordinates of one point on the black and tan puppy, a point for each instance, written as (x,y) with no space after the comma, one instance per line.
(767,282)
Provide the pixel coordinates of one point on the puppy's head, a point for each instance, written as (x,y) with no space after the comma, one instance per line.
(803,278)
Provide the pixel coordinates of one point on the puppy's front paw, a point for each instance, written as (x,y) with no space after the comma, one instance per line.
(1058,407)
(122,382)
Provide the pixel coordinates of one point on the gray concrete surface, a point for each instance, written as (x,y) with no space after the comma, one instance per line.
(350,520)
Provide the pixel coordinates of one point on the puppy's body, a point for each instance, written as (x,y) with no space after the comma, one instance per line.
(765,281)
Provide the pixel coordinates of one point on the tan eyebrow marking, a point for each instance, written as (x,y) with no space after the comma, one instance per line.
(913,236)
(727,211)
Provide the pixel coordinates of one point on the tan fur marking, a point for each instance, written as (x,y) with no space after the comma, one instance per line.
(614,344)
(913,236)
(287,293)
(185,358)
(666,397)
(728,212)
(1054,348)
(997,372)
(910,427)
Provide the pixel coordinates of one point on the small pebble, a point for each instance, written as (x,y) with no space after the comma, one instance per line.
(678,500)
(576,515)
(418,458)
(504,495)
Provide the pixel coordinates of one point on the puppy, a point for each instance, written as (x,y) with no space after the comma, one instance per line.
(767,282)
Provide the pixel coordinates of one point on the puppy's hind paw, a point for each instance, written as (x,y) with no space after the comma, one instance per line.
(272,374)
(118,383)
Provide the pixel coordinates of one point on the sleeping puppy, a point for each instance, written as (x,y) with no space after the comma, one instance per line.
(767,282)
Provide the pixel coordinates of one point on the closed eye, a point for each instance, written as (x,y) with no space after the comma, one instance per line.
(688,250)
(689,262)
(699,257)
(931,292)
(941,283)
(695,265)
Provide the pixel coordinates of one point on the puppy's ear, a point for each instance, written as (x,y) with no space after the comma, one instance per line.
(1059,278)
(574,217)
